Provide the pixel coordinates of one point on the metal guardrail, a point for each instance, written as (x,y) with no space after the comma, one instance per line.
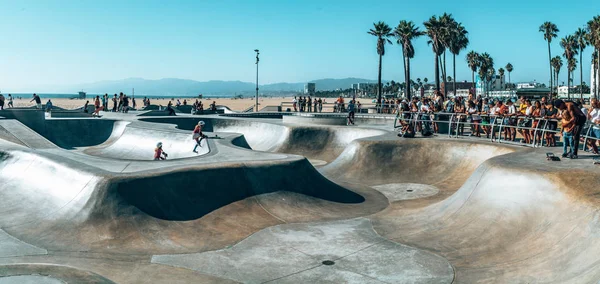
(496,121)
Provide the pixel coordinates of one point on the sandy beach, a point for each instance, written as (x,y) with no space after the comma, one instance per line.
(232,103)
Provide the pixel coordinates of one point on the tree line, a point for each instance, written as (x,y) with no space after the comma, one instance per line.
(445,34)
(573,45)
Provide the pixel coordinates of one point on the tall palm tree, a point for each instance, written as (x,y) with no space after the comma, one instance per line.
(458,42)
(406,32)
(501,73)
(550,31)
(382,31)
(557,64)
(473,62)
(489,76)
(509,68)
(593,38)
(434,30)
(448,27)
(581,38)
(569,44)
(486,63)
(425,80)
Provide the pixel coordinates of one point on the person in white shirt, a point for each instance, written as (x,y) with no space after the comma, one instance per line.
(594,117)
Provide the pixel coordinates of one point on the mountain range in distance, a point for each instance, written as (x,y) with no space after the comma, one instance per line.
(183,87)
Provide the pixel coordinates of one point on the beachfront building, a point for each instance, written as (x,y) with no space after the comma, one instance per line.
(563,91)
(462,88)
(354,86)
(310,89)
(367,86)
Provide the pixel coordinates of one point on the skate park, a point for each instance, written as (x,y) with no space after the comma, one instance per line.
(278,198)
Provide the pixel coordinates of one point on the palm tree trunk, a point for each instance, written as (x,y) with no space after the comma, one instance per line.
(405,77)
(508,77)
(444,76)
(454,73)
(379,85)
(581,74)
(408,74)
(596,91)
(437,74)
(473,80)
(550,62)
(568,84)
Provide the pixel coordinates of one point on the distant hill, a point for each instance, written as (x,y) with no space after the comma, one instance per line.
(182,87)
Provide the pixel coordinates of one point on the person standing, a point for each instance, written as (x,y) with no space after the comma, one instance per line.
(575,117)
(10,101)
(38,101)
(1,102)
(125,104)
(295,104)
(133,104)
(97,107)
(309,103)
(351,107)
(114,109)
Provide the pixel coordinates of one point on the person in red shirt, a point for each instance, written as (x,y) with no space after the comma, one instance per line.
(159,154)
(198,135)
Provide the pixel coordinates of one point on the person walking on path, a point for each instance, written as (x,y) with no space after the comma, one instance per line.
(575,117)
(38,101)
(10,101)
(197,135)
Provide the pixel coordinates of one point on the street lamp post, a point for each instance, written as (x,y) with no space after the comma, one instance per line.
(257,53)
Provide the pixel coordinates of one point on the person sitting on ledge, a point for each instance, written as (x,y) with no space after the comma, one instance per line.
(159,154)
(170,108)
(49,106)
(213,106)
(85,106)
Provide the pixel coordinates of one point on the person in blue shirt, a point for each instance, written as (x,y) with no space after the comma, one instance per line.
(49,105)
(351,107)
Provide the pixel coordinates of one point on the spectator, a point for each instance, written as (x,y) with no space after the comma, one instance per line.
(594,117)
(49,106)
(10,101)
(575,117)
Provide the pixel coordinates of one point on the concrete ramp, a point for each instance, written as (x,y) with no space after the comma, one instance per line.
(17,132)
(137,142)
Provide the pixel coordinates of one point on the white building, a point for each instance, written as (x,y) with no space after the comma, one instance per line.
(354,86)
(366,86)
(310,88)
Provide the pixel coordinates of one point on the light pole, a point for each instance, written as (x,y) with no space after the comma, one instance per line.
(257,53)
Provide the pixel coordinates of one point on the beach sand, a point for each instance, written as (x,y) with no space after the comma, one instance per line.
(234,104)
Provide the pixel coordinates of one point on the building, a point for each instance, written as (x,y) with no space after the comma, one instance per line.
(367,86)
(354,86)
(462,88)
(310,88)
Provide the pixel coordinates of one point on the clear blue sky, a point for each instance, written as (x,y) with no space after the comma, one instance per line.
(68,42)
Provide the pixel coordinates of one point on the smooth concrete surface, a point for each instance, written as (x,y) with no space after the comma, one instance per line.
(30,279)
(406,191)
(270,201)
(295,250)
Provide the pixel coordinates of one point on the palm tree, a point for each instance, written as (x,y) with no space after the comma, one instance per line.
(571,67)
(382,31)
(425,80)
(581,38)
(501,73)
(593,38)
(473,62)
(489,76)
(486,63)
(448,27)
(458,42)
(509,68)
(406,32)
(557,64)
(569,44)
(434,30)
(550,31)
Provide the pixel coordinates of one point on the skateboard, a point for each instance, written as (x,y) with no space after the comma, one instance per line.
(551,157)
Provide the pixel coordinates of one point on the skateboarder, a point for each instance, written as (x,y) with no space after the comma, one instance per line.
(159,154)
(198,135)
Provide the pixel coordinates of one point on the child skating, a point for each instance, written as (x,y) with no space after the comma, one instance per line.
(198,135)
